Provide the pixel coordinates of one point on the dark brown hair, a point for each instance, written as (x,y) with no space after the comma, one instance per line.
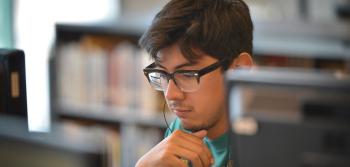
(219,28)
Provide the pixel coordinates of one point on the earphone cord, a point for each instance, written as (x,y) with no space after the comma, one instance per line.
(166,122)
(229,163)
(229,143)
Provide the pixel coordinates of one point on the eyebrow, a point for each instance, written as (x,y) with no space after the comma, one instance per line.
(178,66)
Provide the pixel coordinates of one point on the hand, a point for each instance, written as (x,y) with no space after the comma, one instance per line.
(178,146)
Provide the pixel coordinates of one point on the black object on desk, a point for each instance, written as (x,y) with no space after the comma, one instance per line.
(289,118)
(13,98)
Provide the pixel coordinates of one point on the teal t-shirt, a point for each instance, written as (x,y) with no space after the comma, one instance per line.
(219,147)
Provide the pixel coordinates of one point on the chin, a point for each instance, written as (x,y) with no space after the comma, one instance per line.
(194,128)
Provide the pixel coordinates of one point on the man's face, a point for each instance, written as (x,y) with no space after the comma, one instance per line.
(202,109)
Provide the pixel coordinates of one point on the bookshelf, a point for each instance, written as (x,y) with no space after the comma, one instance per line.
(97,80)
(302,33)
(93,65)
(303,44)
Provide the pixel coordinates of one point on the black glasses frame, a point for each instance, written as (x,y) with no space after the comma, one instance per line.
(197,73)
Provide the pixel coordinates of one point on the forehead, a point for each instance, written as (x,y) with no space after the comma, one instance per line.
(173,54)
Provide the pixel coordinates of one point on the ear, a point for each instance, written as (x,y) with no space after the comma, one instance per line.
(243,60)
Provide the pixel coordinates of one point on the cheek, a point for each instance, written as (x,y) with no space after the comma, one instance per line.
(211,95)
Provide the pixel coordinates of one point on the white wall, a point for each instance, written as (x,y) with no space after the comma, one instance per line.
(34,29)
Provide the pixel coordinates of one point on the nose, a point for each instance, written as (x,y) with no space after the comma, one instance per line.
(173,92)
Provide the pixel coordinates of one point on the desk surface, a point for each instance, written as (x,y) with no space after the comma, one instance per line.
(64,136)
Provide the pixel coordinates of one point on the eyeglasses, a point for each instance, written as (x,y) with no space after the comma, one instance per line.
(186,80)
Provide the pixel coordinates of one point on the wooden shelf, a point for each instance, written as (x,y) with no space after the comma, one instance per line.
(303,38)
(302,47)
(120,29)
(329,40)
(336,30)
(87,139)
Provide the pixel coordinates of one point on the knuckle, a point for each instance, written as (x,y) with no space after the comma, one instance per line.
(168,147)
(173,136)
(206,149)
(202,150)
(177,133)
(194,156)
(164,155)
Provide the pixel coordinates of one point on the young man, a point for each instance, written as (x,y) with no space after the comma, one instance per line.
(193,42)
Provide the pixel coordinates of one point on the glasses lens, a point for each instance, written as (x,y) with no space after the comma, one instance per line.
(158,80)
(187,81)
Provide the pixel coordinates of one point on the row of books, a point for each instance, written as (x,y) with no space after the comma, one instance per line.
(299,61)
(121,147)
(274,10)
(99,71)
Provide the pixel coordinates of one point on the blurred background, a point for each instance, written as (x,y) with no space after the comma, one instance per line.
(84,68)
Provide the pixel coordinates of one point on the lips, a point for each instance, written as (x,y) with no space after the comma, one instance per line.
(181,113)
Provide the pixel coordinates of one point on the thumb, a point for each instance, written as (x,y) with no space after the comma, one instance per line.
(201,134)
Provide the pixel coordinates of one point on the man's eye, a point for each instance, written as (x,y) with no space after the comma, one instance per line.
(154,77)
(188,75)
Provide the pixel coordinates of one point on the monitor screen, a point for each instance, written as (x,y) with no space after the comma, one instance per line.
(290,118)
(12,83)
(2,86)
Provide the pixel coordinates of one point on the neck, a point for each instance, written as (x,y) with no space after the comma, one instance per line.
(219,128)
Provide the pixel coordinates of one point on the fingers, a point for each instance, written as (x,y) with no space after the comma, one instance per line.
(201,134)
(184,154)
(210,157)
(177,162)
(197,156)
(194,146)
(176,149)
(202,147)
(190,137)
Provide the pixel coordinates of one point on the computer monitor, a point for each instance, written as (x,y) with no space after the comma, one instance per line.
(289,118)
(13,98)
